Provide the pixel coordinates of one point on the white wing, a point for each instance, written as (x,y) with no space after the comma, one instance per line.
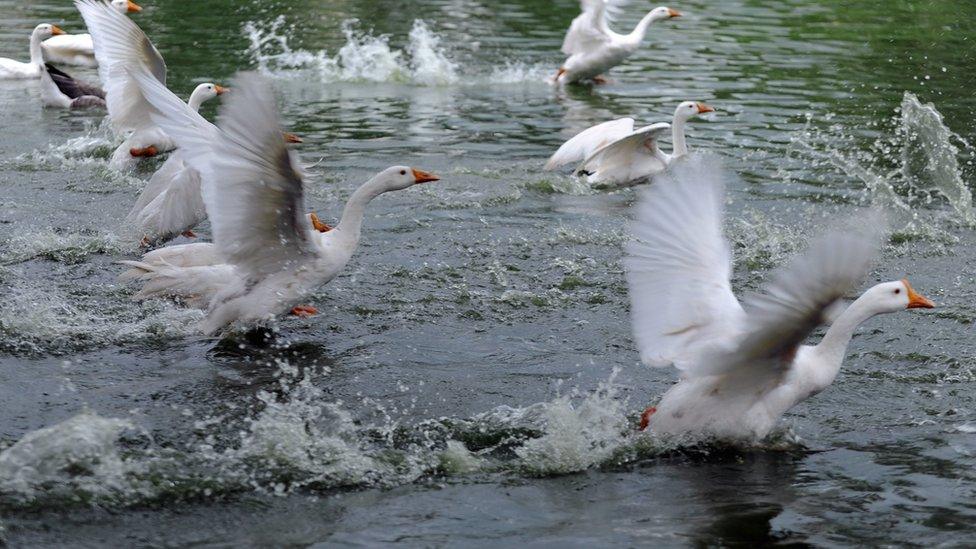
(679,267)
(170,204)
(799,298)
(589,30)
(253,187)
(119,43)
(589,140)
(629,157)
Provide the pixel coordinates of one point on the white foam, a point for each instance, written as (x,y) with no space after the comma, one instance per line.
(78,457)
(424,60)
(927,169)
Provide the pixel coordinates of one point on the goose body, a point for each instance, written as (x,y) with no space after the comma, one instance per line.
(615,153)
(78,49)
(742,365)
(266,257)
(11,69)
(59,89)
(593,47)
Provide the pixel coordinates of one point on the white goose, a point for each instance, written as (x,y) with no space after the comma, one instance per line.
(615,153)
(172,202)
(77,49)
(741,367)
(11,69)
(120,45)
(593,48)
(265,258)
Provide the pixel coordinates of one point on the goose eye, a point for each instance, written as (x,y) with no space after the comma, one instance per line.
(898,290)
(403,172)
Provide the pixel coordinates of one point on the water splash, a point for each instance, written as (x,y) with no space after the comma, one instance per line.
(907,171)
(76,459)
(424,60)
(58,246)
(47,319)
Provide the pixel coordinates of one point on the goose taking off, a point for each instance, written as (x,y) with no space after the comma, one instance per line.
(742,366)
(266,256)
(120,46)
(172,201)
(615,153)
(78,49)
(593,48)
(18,70)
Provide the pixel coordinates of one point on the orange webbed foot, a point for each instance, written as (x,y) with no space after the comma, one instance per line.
(304,311)
(600,80)
(144,152)
(189,234)
(646,417)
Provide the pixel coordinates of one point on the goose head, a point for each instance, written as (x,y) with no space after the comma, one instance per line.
(691,109)
(891,297)
(662,13)
(46,30)
(396,178)
(203,93)
(207,91)
(126,6)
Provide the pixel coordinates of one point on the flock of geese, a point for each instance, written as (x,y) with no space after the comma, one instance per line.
(742,364)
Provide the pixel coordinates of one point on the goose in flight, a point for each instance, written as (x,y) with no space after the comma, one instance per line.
(78,49)
(742,365)
(11,69)
(594,48)
(266,255)
(615,153)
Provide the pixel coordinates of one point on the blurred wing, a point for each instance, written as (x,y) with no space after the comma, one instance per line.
(629,157)
(589,30)
(801,297)
(253,186)
(589,140)
(119,43)
(678,269)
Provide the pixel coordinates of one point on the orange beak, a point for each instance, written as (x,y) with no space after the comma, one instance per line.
(703,108)
(674,13)
(291,138)
(318,225)
(423,177)
(916,300)
(132,7)
(56,30)
(220,89)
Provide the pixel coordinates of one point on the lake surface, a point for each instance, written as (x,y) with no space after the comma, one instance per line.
(471,379)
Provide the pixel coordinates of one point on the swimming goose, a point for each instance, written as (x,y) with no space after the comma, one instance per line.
(265,257)
(615,153)
(593,48)
(120,45)
(59,89)
(77,49)
(17,70)
(742,366)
